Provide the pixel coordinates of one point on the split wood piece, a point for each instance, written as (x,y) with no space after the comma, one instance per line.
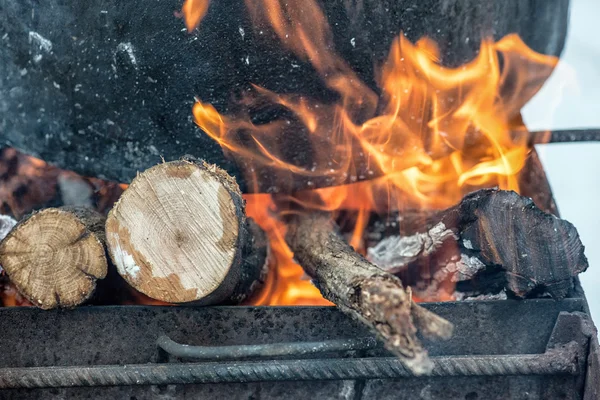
(179,234)
(523,248)
(55,256)
(363,290)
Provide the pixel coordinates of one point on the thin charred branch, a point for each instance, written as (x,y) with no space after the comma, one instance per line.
(179,234)
(499,240)
(363,290)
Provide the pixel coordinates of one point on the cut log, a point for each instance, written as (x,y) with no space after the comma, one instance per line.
(499,239)
(55,256)
(179,234)
(363,290)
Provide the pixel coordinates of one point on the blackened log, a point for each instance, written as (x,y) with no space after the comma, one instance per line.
(363,290)
(534,184)
(112,101)
(536,249)
(527,250)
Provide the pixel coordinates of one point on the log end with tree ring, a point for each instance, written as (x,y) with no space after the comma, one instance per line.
(178,232)
(54,257)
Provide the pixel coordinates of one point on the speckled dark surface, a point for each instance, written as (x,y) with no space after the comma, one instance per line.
(127,335)
(105,87)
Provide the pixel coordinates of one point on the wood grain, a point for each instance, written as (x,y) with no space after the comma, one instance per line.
(55,256)
(178,232)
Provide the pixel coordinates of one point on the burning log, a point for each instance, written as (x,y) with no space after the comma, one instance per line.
(55,256)
(179,234)
(494,239)
(363,290)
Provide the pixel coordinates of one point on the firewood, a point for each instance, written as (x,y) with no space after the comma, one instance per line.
(55,256)
(520,247)
(363,290)
(179,234)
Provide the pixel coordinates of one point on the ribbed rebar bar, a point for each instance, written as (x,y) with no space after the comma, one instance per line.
(263,350)
(553,362)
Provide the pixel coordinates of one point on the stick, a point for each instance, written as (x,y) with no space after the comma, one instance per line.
(55,256)
(364,291)
(179,234)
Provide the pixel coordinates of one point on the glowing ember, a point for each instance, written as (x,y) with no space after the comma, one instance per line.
(432,133)
(9,295)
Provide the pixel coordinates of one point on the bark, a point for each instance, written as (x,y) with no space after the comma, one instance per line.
(363,290)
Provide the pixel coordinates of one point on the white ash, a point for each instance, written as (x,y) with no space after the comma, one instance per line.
(6,225)
(41,42)
(75,191)
(124,261)
(456,270)
(460,296)
(465,268)
(395,252)
(128,49)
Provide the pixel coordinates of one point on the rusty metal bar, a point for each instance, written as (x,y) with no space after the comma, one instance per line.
(560,361)
(263,350)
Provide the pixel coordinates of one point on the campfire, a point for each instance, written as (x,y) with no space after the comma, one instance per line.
(399,192)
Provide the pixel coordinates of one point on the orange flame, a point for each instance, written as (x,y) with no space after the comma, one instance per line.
(193,12)
(9,295)
(429,133)
(287,282)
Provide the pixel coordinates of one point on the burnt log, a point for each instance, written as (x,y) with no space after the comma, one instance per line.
(179,234)
(515,246)
(92,87)
(364,291)
(54,257)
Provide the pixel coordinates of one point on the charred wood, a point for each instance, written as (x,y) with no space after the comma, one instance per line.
(492,240)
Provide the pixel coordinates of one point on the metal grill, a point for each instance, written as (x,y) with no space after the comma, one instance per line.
(540,347)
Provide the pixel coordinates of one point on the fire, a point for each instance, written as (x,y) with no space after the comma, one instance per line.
(287,282)
(193,12)
(9,295)
(429,133)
